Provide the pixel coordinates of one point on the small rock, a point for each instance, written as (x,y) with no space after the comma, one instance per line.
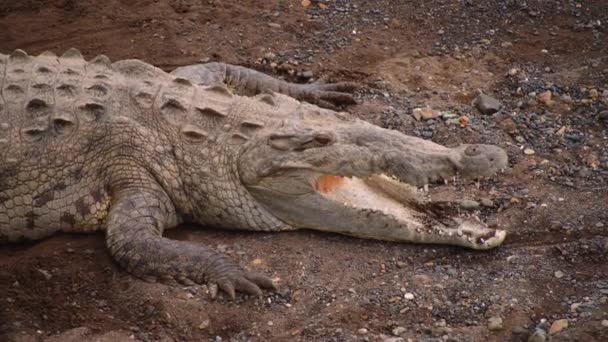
(270,56)
(545,97)
(539,336)
(574,306)
(513,72)
(394,339)
(307,75)
(362,331)
(603,116)
(47,275)
(274,25)
(486,202)
(467,204)
(486,104)
(519,330)
(204,324)
(408,296)
(593,93)
(605,323)
(529,151)
(558,274)
(401,264)
(425,113)
(558,326)
(398,331)
(463,121)
(448,115)
(270,323)
(495,323)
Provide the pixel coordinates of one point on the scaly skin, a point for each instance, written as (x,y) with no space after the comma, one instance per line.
(131,150)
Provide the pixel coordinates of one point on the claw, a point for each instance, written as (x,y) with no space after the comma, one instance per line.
(228,287)
(244,285)
(261,280)
(213,289)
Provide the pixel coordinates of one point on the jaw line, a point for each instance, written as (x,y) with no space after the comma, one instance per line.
(374,206)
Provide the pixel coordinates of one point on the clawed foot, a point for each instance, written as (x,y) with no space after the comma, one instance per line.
(247,282)
(330,95)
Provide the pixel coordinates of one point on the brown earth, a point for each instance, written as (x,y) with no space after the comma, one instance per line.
(406,54)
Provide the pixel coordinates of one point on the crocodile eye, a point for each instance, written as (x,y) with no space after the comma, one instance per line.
(472,151)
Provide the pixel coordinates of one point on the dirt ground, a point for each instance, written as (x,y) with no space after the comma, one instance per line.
(553,200)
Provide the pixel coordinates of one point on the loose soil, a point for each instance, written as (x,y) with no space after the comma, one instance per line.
(405,54)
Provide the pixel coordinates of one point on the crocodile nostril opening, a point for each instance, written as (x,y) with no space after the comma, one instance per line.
(472,151)
(322,140)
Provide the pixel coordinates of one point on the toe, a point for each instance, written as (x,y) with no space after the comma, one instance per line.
(261,281)
(244,285)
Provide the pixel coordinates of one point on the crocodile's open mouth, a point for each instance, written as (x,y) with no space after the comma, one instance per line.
(375,206)
(377,192)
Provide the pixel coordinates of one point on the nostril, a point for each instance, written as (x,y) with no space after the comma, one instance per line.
(472,151)
(322,140)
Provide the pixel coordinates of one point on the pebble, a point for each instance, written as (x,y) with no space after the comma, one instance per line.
(425,113)
(468,204)
(558,326)
(495,323)
(558,274)
(545,97)
(362,331)
(307,74)
(529,151)
(539,336)
(394,339)
(605,323)
(486,104)
(408,296)
(593,93)
(47,275)
(398,331)
(270,56)
(519,330)
(486,202)
(401,264)
(574,306)
(204,324)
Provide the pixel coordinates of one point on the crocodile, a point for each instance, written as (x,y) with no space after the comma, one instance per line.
(131,150)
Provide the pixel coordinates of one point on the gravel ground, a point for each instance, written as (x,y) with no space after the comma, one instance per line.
(529,76)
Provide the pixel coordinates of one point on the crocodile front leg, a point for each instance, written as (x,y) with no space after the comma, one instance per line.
(134,237)
(250,82)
